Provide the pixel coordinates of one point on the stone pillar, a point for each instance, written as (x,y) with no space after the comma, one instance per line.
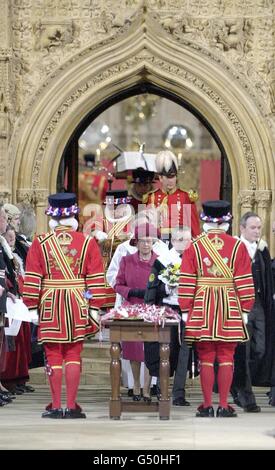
(41,204)
(246,202)
(263,199)
(6,87)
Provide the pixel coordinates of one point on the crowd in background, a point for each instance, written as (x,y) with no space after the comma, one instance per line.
(17,227)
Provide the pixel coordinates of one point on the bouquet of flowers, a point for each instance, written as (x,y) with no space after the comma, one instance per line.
(149,313)
(170,275)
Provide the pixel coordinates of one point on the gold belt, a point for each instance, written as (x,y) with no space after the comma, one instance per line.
(63,284)
(76,286)
(215,282)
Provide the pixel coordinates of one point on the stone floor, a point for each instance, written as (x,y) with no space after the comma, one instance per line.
(21,426)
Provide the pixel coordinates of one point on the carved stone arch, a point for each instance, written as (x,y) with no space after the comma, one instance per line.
(143,53)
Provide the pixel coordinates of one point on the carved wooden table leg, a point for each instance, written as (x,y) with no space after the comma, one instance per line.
(115,371)
(164,372)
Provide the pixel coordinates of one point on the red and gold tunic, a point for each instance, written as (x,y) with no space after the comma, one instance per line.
(176,209)
(60,266)
(117,231)
(214,291)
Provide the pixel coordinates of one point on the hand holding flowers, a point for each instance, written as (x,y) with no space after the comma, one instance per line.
(170,275)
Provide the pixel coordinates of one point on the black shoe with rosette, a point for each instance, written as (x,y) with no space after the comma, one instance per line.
(207,412)
(228,412)
(54,413)
(73,413)
(5,397)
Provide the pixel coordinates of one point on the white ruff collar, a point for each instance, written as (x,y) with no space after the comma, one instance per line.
(69,221)
(212,225)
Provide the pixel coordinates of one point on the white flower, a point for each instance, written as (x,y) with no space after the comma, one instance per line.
(207,261)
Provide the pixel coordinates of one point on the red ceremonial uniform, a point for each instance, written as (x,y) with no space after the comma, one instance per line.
(176,209)
(60,266)
(117,230)
(16,365)
(92,190)
(214,291)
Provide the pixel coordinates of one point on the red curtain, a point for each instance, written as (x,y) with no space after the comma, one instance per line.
(210,180)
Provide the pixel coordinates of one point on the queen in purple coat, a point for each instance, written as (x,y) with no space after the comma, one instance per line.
(131,282)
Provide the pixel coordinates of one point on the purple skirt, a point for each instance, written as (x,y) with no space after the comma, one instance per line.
(133,350)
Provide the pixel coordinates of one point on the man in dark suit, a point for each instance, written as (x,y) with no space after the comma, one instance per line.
(254,361)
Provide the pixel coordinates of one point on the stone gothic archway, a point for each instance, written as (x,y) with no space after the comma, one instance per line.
(143,53)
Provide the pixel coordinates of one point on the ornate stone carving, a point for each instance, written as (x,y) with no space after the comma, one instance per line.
(246,199)
(229,34)
(32,197)
(237,39)
(248,152)
(4,23)
(272,90)
(3,117)
(172,69)
(41,196)
(5,196)
(52,33)
(263,198)
(5,54)
(26,196)
(245,44)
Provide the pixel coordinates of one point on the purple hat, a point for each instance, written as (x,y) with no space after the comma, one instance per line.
(216,211)
(117,197)
(62,205)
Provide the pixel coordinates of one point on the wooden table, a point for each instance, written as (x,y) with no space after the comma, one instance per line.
(133,330)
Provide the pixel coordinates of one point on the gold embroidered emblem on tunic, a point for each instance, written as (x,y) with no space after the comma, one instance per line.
(217,242)
(64,238)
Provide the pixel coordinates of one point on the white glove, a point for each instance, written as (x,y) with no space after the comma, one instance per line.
(167,289)
(184,317)
(94,315)
(35,317)
(99,235)
(170,290)
(245,318)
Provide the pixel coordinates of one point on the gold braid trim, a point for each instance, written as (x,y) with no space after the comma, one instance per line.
(193,195)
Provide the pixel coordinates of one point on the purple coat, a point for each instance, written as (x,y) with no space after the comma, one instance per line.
(133,274)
